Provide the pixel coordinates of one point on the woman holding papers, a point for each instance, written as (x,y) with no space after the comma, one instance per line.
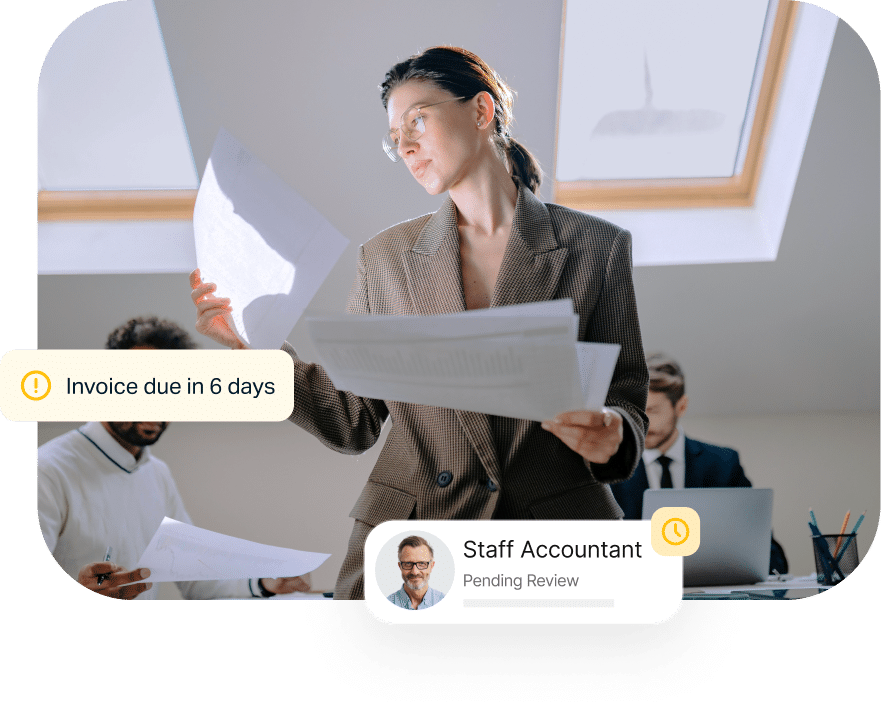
(492,243)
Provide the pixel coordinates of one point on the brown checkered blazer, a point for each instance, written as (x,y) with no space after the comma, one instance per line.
(440,463)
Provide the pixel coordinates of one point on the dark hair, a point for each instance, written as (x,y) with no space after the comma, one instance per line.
(414,542)
(665,376)
(464,74)
(150,332)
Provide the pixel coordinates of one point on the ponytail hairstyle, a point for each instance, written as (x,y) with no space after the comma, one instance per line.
(464,74)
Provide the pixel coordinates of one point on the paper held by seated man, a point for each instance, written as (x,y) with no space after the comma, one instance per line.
(182,552)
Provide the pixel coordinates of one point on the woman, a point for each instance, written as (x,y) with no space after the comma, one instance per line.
(492,243)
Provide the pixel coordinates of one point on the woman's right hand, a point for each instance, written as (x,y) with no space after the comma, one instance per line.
(212,314)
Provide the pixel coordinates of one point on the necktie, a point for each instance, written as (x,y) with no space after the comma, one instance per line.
(666,479)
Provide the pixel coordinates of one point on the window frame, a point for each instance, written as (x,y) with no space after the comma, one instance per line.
(737,190)
(121,205)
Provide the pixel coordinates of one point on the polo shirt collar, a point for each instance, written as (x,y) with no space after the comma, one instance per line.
(98,435)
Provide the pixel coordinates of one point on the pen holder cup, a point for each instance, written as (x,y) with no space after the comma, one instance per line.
(846,560)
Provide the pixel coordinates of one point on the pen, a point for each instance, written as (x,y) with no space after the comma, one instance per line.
(814,519)
(841,533)
(106,559)
(828,563)
(852,533)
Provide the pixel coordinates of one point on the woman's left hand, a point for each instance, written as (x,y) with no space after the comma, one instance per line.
(596,436)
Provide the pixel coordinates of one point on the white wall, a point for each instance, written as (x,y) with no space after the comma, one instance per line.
(825,461)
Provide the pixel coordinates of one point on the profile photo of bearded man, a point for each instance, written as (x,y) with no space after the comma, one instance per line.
(416,561)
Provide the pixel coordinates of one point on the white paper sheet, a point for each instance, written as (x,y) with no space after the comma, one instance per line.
(516,361)
(181,552)
(596,365)
(264,246)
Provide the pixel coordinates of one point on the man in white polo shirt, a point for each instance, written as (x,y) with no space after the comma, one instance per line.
(100,488)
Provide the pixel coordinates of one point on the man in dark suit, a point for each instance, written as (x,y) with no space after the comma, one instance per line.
(672,460)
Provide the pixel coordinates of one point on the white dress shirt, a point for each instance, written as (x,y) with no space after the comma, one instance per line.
(677,466)
(93,493)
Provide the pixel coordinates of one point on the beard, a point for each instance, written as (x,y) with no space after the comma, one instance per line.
(653,442)
(135,434)
(416,584)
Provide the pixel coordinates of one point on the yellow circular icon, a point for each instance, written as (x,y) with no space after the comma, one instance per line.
(674,531)
(36,389)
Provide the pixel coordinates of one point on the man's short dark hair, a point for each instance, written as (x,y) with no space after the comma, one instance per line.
(150,332)
(665,376)
(414,542)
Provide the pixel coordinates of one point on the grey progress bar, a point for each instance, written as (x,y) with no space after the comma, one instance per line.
(539,603)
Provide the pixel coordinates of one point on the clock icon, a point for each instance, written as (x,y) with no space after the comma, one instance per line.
(675,531)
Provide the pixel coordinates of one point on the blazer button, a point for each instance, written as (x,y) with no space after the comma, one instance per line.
(444,479)
(491,485)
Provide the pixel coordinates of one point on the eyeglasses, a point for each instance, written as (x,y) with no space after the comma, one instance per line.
(407,565)
(412,124)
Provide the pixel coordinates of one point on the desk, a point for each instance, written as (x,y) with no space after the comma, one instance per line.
(776,590)
(295,596)
(301,596)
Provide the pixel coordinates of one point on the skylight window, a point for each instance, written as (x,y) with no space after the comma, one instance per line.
(666,94)
(116,175)
(656,90)
(109,117)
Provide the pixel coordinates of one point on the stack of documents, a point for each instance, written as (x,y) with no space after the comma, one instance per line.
(518,361)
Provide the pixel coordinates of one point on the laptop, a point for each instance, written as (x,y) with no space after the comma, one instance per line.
(735,543)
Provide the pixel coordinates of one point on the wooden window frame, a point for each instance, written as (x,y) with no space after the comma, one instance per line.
(145,205)
(737,190)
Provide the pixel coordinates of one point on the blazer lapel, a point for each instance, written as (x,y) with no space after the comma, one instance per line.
(533,260)
(433,265)
(434,279)
(692,454)
(530,271)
